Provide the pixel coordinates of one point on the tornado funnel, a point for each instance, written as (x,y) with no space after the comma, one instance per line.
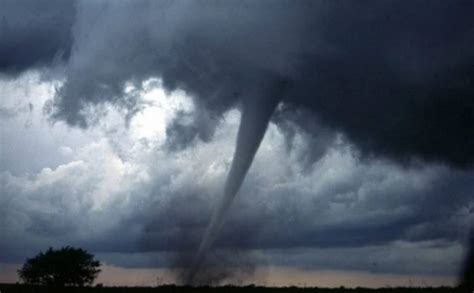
(256,113)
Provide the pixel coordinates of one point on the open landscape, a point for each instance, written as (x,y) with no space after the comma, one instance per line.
(7,288)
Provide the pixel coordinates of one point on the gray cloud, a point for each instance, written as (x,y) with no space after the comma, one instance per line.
(337,204)
(402,89)
(34,33)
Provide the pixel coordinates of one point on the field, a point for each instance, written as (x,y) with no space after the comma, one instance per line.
(16,288)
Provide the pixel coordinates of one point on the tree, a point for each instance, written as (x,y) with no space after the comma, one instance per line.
(467,280)
(67,266)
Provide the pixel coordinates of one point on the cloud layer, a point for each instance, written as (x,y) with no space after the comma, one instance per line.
(122,190)
(394,77)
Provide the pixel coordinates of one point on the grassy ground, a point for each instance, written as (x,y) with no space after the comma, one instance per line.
(16,288)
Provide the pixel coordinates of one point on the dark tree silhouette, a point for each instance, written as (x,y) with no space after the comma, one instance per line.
(67,266)
(467,280)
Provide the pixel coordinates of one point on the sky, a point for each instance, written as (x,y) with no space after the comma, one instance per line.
(119,122)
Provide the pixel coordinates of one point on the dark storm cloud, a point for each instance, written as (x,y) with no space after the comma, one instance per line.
(394,76)
(34,33)
(315,138)
(187,127)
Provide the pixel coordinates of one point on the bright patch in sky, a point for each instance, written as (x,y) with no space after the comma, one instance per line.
(161,108)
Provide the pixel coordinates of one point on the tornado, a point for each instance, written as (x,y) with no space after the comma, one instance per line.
(256,114)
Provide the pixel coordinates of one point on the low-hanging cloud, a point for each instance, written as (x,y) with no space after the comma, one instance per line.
(395,77)
(34,34)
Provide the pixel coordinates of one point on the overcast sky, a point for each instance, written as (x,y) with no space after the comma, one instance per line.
(118,123)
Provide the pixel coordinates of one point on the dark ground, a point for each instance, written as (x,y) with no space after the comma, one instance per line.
(16,288)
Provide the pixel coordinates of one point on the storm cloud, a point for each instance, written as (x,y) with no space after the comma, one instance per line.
(34,34)
(370,144)
(395,77)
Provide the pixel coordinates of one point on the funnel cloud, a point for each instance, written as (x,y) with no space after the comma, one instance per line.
(256,115)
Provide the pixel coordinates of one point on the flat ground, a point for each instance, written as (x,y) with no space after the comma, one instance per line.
(15,288)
